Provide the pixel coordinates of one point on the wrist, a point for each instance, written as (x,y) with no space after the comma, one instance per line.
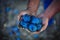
(46,16)
(31,12)
(50,14)
(33,6)
(43,16)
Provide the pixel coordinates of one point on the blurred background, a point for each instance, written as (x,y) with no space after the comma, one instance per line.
(9,30)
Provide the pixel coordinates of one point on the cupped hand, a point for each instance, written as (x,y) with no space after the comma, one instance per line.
(25,12)
(44,21)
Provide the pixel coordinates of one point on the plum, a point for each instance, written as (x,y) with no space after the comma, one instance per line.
(26,18)
(32,28)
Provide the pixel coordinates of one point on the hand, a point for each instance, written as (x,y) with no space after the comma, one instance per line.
(45,23)
(25,12)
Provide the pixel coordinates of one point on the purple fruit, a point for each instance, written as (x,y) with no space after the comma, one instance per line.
(36,20)
(32,28)
(39,26)
(23,24)
(26,18)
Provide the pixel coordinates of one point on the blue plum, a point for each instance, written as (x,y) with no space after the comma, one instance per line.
(23,24)
(39,26)
(26,18)
(14,29)
(32,28)
(36,20)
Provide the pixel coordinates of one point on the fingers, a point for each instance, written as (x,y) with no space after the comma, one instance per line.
(21,13)
(25,12)
(19,16)
(45,22)
(35,33)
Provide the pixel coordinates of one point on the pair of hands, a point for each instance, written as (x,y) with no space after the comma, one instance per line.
(45,19)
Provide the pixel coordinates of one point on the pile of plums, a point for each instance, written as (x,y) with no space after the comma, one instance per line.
(31,23)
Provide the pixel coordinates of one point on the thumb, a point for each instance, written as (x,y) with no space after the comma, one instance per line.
(21,13)
(45,22)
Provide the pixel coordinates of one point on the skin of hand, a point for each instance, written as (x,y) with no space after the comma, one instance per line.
(49,12)
(45,23)
(31,8)
(23,13)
